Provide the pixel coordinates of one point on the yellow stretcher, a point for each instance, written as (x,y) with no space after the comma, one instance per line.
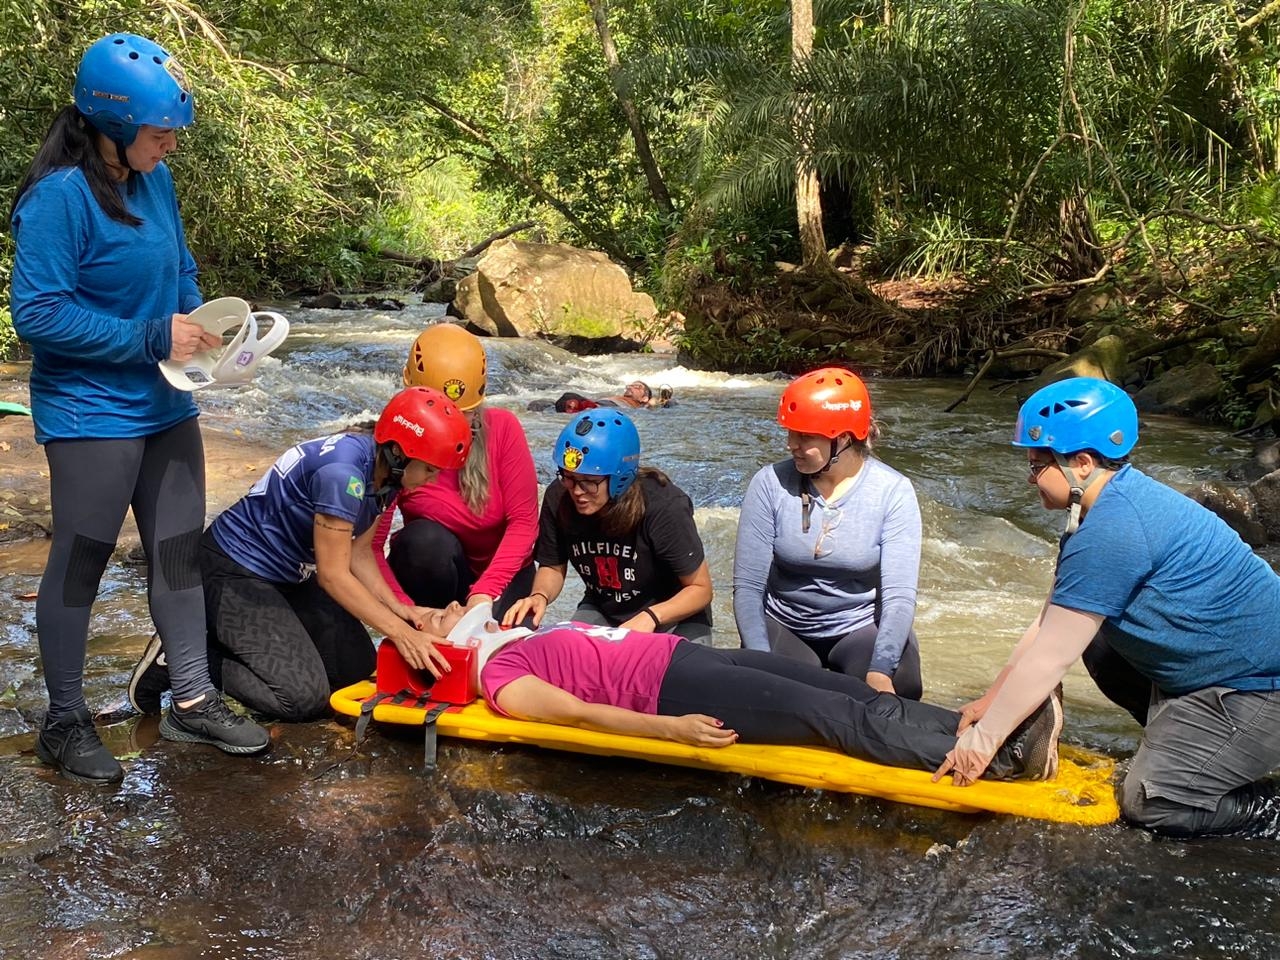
(1081,794)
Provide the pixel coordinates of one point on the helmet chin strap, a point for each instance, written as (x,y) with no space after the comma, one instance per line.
(396,463)
(1078,489)
(834,456)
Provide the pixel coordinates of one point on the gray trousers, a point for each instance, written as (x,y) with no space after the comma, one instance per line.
(849,654)
(1201,754)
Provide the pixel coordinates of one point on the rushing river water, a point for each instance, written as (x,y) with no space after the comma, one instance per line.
(510,852)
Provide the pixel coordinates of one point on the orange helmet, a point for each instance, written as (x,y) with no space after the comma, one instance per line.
(449,359)
(428,426)
(828,402)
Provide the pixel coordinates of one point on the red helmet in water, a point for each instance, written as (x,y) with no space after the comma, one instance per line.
(427,426)
(827,402)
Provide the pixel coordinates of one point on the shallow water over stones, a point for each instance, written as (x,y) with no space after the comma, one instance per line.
(318,851)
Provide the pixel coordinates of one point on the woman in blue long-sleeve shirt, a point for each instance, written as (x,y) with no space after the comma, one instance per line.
(102,283)
(828,550)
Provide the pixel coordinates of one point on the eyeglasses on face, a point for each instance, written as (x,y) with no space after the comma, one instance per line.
(1037,467)
(588,485)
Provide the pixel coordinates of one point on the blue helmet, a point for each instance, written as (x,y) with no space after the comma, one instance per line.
(125,81)
(600,444)
(1082,413)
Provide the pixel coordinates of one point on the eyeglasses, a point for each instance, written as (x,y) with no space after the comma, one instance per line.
(1034,468)
(588,485)
(831,517)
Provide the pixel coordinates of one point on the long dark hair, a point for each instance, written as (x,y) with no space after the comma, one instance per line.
(72,142)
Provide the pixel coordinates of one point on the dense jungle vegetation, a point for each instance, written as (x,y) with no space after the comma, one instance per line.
(965,184)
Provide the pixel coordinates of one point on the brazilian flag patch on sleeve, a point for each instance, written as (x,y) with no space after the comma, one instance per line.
(355,487)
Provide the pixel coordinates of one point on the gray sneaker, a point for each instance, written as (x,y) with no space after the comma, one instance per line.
(1034,746)
(212,721)
(150,678)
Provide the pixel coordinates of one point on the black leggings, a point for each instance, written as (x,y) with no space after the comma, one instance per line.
(849,654)
(766,698)
(279,648)
(92,483)
(697,628)
(430,564)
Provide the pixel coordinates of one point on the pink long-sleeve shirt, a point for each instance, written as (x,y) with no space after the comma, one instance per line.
(498,542)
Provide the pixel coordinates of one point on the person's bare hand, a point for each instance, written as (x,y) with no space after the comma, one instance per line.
(534,604)
(188,339)
(880,682)
(700,731)
(419,651)
(971,713)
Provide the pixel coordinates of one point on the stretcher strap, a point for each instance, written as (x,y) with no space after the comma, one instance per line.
(430,736)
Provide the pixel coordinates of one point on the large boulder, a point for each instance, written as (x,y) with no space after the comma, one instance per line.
(523,289)
(1105,359)
(1266,498)
(1183,390)
(1238,507)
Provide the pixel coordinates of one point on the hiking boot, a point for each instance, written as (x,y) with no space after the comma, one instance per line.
(71,744)
(150,678)
(1034,746)
(212,721)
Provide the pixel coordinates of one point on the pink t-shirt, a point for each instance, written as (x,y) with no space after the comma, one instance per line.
(498,542)
(610,665)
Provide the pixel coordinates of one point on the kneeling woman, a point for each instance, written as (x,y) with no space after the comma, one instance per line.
(628,531)
(658,685)
(806,585)
(283,638)
(468,537)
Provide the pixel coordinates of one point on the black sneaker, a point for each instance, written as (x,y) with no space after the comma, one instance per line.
(1034,746)
(212,721)
(71,744)
(150,678)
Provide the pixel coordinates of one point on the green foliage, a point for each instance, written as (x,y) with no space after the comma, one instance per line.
(762,348)
(1011,142)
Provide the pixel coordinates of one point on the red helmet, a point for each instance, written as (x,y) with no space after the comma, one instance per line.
(828,402)
(428,426)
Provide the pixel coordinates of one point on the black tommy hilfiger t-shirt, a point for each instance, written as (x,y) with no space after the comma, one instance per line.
(624,574)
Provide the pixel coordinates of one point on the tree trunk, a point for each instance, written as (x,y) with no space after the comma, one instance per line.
(622,90)
(813,240)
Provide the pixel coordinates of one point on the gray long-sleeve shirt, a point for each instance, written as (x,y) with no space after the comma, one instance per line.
(869,575)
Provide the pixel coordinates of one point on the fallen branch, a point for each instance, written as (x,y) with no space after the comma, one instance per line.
(992,357)
(483,245)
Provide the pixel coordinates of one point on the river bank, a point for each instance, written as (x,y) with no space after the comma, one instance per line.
(232,462)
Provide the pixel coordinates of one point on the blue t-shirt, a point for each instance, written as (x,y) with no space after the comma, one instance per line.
(271,529)
(95,299)
(1192,605)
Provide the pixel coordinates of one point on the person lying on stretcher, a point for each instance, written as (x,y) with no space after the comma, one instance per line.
(659,685)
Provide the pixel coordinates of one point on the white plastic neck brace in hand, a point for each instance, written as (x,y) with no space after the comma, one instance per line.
(235,363)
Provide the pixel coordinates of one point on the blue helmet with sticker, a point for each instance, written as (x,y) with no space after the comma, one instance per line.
(601,443)
(1081,413)
(125,81)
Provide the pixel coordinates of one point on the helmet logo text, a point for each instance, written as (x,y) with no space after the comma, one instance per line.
(408,424)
